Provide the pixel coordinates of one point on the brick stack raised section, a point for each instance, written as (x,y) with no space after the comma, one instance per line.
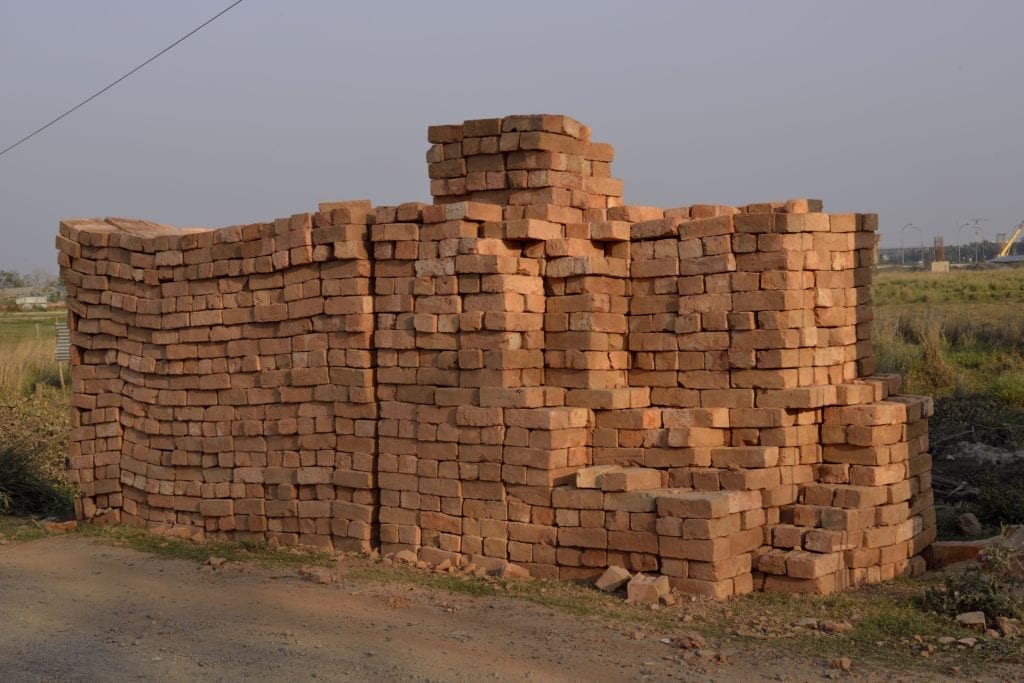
(521,161)
(525,371)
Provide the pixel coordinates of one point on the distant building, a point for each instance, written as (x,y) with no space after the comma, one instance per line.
(28,302)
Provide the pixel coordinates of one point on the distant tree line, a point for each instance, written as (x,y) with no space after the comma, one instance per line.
(38,278)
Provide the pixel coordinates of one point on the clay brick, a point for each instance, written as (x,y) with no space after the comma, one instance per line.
(710,528)
(802,565)
(711,550)
(216,508)
(702,505)
(581,537)
(745,456)
(631,479)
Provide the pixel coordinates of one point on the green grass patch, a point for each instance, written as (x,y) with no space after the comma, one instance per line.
(19,529)
(29,325)
(1008,387)
(888,622)
(184,549)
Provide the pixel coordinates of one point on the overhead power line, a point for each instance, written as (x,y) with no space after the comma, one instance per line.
(111,85)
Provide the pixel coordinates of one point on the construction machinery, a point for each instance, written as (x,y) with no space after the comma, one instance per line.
(1005,255)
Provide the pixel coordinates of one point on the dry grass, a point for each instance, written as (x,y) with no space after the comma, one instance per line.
(34,419)
(25,364)
(960,286)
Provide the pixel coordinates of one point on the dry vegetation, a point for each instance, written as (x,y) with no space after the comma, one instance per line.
(34,420)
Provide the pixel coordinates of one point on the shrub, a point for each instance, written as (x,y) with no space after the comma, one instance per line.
(26,488)
(1009,387)
(33,445)
(999,503)
(992,586)
(932,371)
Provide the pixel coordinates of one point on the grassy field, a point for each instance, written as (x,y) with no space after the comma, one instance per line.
(27,351)
(30,325)
(953,333)
(34,416)
(998,285)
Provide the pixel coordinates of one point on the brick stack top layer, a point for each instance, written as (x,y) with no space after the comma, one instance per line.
(526,370)
(521,161)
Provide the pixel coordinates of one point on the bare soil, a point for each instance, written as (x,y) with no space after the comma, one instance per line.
(78,608)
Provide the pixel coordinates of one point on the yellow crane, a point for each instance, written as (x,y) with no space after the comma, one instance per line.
(1004,253)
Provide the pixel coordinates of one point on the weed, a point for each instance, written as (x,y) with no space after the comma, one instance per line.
(1009,387)
(13,528)
(923,330)
(992,586)
(896,622)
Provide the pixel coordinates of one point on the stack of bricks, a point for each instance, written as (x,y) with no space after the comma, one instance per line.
(346,283)
(869,510)
(521,161)
(524,371)
(395,249)
(240,364)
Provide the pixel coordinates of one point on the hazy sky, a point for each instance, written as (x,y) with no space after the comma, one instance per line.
(912,110)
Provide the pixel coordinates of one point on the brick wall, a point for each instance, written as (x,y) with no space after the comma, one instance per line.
(525,371)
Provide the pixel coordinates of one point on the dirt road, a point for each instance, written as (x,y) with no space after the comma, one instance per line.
(74,608)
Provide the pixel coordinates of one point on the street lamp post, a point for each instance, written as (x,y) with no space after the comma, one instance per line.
(976,224)
(903,230)
(978,235)
(959,243)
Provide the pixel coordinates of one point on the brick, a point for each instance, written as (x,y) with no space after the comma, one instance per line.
(703,505)
(745,456)
(802,565)
(631,479)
